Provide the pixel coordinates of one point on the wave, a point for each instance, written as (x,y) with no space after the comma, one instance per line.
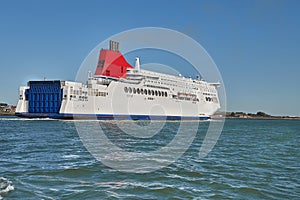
(71,156)
(5,186)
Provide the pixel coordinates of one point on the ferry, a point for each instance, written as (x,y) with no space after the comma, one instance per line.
(119,91)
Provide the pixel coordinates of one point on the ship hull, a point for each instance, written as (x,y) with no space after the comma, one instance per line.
(109,117)
(74,100)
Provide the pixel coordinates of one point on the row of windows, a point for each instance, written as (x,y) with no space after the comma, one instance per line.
(208,99)
(209,94)
(102,94)
(213,99)
(78,92)
(74,96)
(90,92)
(163,83)
(181,84)
(145,91)
(160,87)
(188,99)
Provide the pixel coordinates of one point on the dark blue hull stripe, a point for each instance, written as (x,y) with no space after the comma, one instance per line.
(109,116)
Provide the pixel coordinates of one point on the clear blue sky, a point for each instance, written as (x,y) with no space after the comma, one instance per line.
(255,44)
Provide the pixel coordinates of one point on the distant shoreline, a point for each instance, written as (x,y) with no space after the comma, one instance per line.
(263,118)
(258,116)
(7,113)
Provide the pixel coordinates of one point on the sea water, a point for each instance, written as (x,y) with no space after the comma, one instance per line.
(253,159)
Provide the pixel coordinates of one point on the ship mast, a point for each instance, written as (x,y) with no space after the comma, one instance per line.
(137,63)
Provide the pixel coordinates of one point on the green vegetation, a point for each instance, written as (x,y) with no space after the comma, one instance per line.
(258,115)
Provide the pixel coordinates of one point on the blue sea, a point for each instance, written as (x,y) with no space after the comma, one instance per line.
(252,159)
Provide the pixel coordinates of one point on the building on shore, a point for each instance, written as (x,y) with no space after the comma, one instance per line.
(4,107)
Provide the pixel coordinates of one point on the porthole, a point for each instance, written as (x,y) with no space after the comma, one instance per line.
(155,92)
(134,90)
(145,92)
(138,91)
(125,89)
(130,90)
(152,92)
(162,94)
(159,93)
(149,92)
(166,94)
(142,91)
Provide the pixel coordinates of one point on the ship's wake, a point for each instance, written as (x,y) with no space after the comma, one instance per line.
(24,119)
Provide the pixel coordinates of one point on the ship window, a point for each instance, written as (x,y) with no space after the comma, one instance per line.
(162,94)
(159,93)
(145,92)
(134,90)
(138,91)
(142,91)
(149,92)
(152,92)
(130,90)
(155,93)
(125,89)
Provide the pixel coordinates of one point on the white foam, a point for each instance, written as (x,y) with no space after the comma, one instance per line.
(5,186)
(70,156)
(24,119)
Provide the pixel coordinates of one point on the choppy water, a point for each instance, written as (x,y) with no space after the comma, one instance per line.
(253,159)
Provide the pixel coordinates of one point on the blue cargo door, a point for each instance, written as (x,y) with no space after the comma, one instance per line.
(44,97)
